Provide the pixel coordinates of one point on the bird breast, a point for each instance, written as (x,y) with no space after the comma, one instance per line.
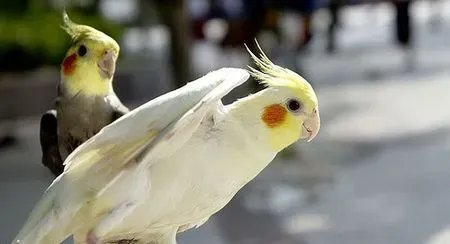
(83,117)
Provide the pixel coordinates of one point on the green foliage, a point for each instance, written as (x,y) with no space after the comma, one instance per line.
(34,37)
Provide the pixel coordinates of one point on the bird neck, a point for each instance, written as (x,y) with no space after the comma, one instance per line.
(88,84)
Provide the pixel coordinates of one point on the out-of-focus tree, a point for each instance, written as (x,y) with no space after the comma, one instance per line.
(30,33)
(174,15)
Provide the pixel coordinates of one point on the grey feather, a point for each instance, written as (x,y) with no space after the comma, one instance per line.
(74,120)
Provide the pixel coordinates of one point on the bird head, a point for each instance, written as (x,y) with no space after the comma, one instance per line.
(290,110)
(90,62)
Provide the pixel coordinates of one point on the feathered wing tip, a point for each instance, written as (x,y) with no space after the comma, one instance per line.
(41,222)
(269,73)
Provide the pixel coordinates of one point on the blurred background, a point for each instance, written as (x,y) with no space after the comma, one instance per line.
(378,173)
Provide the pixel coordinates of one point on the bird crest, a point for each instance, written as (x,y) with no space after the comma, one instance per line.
(272,75)
(82,32)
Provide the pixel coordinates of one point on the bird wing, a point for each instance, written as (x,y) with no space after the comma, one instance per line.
(48,136)
(179,131)
(132,135)
(166,142)
(151,131)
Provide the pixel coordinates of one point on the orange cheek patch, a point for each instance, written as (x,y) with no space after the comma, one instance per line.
(274,115)
(69,64)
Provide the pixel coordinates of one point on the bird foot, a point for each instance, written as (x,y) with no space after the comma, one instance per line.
(91,238)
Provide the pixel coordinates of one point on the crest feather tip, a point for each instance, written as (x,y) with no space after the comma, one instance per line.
(66,20)
(270,74)
(67,24)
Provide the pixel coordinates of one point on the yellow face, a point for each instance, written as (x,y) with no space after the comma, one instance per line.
(90,63)
(289,116)
(291,111)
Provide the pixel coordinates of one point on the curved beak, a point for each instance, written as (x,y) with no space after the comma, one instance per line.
(107,64)
(311,126)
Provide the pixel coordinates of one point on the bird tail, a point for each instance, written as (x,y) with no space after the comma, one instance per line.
(44,224)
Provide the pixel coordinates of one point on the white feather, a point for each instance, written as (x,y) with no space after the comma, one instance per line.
(104,175)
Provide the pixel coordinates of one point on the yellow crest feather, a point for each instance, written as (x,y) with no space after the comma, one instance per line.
(273,75)
(79,32)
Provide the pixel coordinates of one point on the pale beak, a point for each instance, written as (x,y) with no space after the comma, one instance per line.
(311,126)
(107,64)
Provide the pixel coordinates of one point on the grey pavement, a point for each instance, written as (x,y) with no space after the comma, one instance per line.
(378,172)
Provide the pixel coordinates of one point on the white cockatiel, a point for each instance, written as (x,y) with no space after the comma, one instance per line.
(170,164)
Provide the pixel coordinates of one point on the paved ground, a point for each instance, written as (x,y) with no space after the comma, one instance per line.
(377,173)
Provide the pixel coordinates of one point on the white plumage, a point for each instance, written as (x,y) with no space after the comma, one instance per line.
(166,166)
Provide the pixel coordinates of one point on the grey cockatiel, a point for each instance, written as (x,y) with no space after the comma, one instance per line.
(86,100)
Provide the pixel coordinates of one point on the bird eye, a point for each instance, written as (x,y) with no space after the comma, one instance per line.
(294,105)
(82,50)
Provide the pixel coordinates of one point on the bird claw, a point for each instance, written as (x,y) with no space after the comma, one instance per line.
(91,238)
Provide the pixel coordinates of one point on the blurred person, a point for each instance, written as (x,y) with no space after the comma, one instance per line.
(202,11)
(403,30)
(245,19)
(333,7)
(306,9)
(175,15)
(199,11)
(403,22)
